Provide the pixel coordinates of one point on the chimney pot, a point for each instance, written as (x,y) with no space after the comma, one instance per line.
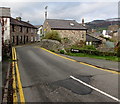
(18,18)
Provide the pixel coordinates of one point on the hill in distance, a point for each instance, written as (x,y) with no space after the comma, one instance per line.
(102,24)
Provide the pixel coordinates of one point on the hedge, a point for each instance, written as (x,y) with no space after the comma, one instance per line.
(95,52)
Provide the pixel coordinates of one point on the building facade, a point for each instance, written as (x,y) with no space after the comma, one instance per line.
(5,23)
(16,31)
(67,29)
(39,32)
(22,32)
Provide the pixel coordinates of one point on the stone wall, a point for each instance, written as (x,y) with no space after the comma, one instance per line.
(46,27)
(74,35)
(51,45)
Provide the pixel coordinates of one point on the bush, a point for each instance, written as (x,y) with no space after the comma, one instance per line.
(52,50)
(85,47)
(118,51)
(89,47)
(96,52)
(53,35)
(62,51)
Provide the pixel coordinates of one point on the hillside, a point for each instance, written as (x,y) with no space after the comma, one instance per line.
(102,24)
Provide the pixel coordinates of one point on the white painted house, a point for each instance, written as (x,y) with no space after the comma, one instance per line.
(39,32)
(4,28)
(106,34)
(5,21)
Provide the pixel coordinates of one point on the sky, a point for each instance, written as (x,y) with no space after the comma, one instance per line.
(75,10)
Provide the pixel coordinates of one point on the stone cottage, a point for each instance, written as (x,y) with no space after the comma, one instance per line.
(67,29)
(22,32)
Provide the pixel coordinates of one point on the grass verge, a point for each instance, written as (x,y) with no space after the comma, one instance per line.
(111,58)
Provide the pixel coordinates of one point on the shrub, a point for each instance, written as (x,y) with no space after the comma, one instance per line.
(96,52)
(62,51)
(89,47)
(118,51)
(53,35)
(85,47)
(52,50)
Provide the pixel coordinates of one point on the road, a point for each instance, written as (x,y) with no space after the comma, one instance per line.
(46,77)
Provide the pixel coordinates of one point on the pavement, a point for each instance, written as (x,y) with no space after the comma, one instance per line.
(5,66)
(47,77)
(110,65)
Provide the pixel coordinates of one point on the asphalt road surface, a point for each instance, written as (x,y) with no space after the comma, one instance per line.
(46,77)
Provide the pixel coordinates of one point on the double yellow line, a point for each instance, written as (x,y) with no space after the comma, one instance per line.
(107,70)
(16,80)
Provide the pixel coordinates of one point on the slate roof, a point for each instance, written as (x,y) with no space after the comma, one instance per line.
(65,24)
(91,38)
(20,23)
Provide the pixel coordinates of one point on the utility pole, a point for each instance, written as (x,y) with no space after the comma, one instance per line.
(46,12)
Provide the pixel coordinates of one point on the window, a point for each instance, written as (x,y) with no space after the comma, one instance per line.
(27,29)
(20,28)
(72,24)
(32,31)
(82,35)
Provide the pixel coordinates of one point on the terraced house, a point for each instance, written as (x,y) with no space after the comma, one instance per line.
(16,31)
(22,32)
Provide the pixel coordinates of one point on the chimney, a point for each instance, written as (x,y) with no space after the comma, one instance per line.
(28,21)
(83,23)
(5,12)
(18,18)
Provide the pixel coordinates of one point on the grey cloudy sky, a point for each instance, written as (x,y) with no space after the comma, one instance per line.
(34,11)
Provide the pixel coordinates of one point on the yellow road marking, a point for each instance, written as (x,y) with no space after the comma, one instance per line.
(59,55)
(14,80)
(111,71)
(22,99)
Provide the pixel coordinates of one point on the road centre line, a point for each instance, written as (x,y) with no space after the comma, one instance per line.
(104,93)
(110,71)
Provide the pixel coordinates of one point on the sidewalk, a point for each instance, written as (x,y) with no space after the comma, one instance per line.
(112,65)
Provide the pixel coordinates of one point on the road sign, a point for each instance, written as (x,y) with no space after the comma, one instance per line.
(75,50)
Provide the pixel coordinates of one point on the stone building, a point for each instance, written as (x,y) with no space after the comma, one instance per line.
(15,31)
(67,29)
(22,32)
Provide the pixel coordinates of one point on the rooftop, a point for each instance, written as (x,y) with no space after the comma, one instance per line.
(65,24)
(20,23)
(91,38)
